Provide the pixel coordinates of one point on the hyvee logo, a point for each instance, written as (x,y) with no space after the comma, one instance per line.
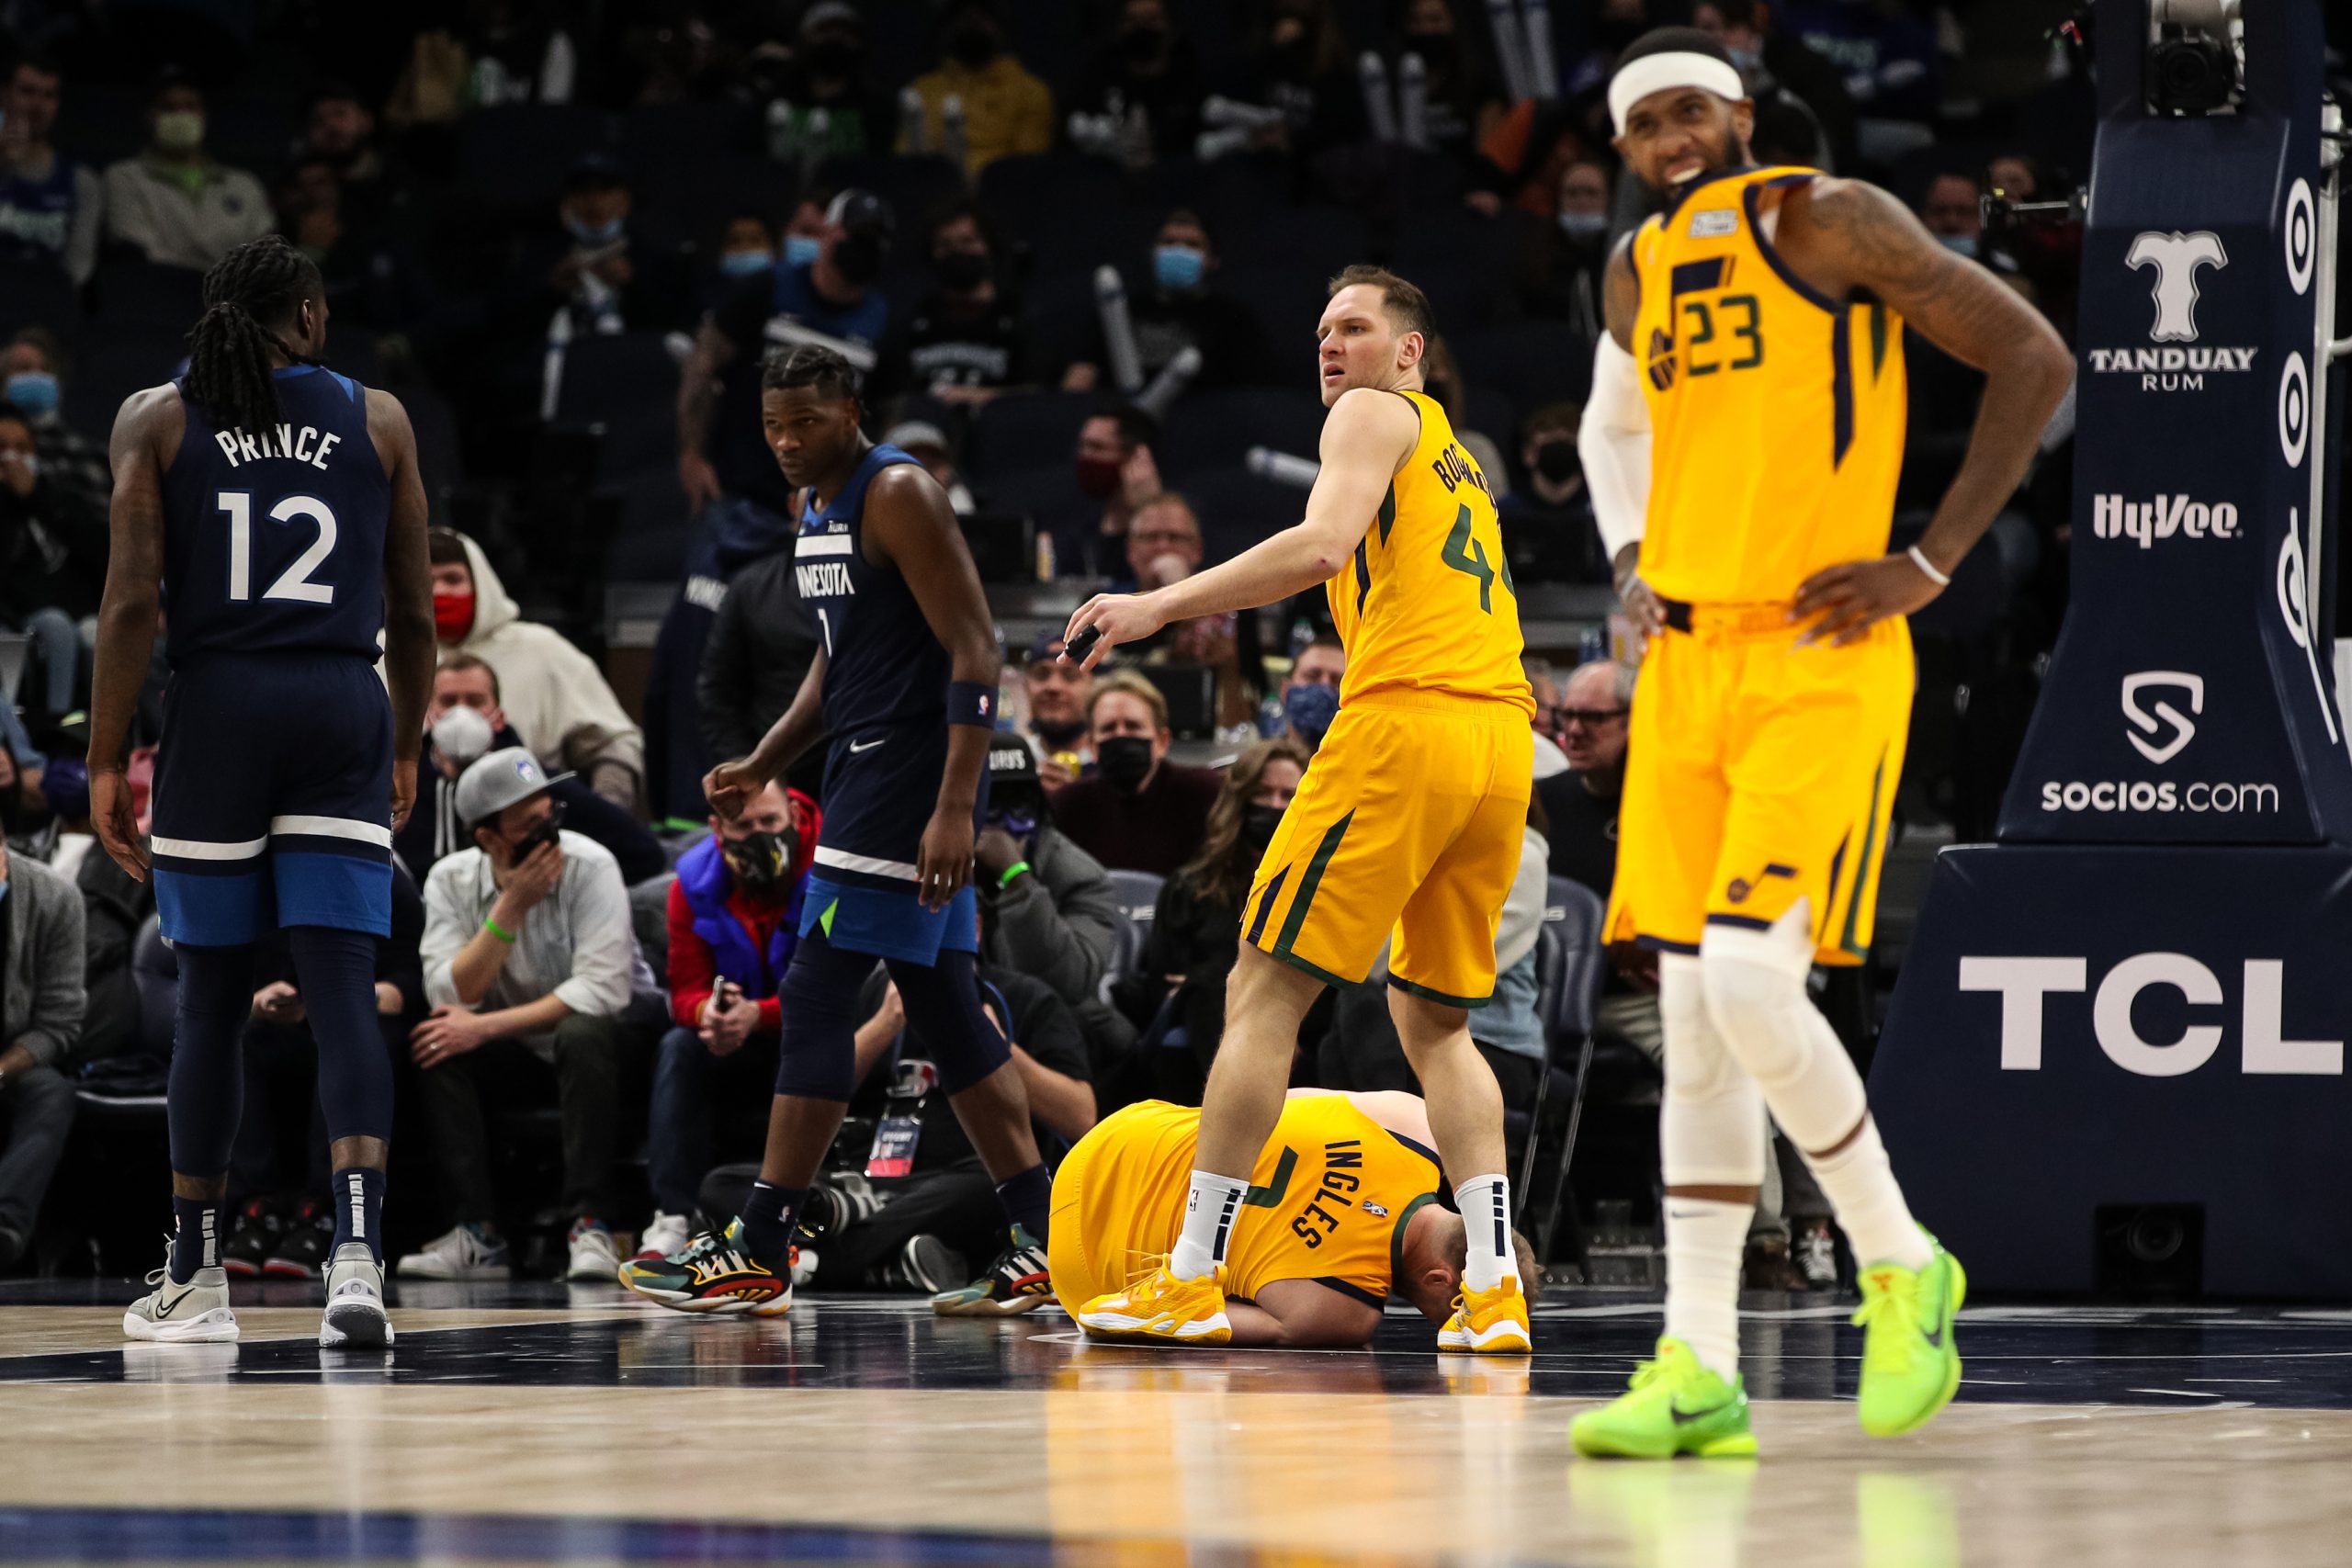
(2175,259)
(2184,729)
(2162,517)
(2023,982)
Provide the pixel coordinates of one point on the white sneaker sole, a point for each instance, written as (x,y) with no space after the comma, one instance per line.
(1124,1327)
(356,1326)
(217,1327)
(1504,1338)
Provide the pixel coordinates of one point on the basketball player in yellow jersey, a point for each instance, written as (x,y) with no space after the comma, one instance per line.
(1753,364)
(1409,821)
(1342,1210)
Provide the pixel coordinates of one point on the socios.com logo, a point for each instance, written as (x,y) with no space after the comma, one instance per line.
(2183,729)
(2159,730)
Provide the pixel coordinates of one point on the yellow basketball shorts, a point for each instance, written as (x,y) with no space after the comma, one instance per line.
(1410,822)
(1758,773)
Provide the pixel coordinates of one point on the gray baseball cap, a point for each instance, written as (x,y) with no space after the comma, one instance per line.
(497,780)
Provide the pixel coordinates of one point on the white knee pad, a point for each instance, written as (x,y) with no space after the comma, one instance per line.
(1711,1121)
(1755,989)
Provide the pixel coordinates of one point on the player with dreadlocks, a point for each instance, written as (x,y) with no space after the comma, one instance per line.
(273,510)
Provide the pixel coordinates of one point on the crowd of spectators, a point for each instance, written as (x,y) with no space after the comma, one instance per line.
(1076,249)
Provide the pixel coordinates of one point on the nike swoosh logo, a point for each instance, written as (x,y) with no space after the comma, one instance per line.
(1943,1314)
(854,747)
(1684,1417)
(163,1309)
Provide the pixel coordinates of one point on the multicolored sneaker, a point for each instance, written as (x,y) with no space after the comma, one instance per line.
(1160,1306)
(1676,1406)
(1018,1279)
(1910,1364)
(712,1275)
(1488,1323)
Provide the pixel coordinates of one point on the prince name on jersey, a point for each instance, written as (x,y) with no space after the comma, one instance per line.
(307,444)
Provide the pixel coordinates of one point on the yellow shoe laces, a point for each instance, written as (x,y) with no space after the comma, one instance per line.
(1890,1297)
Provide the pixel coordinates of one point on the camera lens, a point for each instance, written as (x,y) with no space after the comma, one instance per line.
(2155,1237)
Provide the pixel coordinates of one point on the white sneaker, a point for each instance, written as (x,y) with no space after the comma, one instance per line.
(356,1319)
(194,1313)
(664,1235)
(458,1253)
(593,1256)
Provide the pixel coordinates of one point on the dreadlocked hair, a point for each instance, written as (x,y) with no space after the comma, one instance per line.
(228,358)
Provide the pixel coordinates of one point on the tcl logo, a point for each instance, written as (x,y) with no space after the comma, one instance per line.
(2162,517)
(2263,1049)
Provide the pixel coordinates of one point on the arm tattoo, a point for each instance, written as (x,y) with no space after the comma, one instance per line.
(1873,242)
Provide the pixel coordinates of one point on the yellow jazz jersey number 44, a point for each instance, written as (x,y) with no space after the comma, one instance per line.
(1428,604)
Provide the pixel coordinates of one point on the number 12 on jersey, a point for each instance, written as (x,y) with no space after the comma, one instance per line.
(294,583)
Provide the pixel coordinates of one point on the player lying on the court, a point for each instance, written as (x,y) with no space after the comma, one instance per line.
(1343,1211)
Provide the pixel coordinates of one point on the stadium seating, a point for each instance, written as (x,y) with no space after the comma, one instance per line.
(625,387)
(1028,431)
(1569,967)
(35,294)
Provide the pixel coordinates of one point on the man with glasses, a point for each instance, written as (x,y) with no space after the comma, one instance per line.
(1589,723)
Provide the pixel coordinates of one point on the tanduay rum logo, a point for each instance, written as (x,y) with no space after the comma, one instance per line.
(2173,261)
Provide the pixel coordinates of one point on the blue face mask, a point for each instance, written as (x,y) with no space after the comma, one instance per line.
(34,391)
(1310,709)
(1960,245)
(594,233)
(745,263)
(1178,266)
(800,250)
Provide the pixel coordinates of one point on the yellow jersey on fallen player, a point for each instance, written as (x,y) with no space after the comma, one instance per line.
(1427,604)
(1776,413)
(1328,1200)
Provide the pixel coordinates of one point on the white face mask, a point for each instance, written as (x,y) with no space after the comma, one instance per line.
(461,735)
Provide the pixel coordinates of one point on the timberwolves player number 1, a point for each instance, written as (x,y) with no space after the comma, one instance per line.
(270,510)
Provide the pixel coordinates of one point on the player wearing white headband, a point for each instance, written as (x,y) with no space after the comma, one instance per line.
(1754,362)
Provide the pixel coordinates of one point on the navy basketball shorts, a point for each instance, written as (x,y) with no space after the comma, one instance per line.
(273,798)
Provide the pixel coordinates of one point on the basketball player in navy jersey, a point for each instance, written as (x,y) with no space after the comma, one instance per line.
(271,511)
(905,688)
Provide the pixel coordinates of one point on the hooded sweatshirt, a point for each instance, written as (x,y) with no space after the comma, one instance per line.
(553,694)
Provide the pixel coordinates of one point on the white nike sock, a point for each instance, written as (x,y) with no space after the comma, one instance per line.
(1208,1224)
(1859,1185)
(1485,1203)
(1703,1242)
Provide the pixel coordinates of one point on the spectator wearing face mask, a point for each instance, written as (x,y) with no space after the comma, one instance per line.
(1139,811)
(734,917)
(1053,915)
(834,300)
(1057,693)
(1005,110)
(963,345)
(1117,469)
(1802,105)
(1195,933)
(747,248)
(1180,310)
(52,564)
(1140,101)
(824,102)
(172,203)
(593,273)
(32,379)
(465,721)
(1299,69)
(48,203)
(1547,525)
(1562,258)
(1311,690)
(553,693)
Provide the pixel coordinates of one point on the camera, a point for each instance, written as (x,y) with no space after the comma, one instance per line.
(2190,72)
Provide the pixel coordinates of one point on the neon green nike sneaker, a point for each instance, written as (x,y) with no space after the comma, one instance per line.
(1910,1365)
(1676,1406)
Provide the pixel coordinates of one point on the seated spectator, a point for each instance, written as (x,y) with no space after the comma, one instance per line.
(52,564)
(340,128)
(33,365)
(837,297)
(530,961)
(1519,162)
(1951,208)
(1311,690)
(747,248)
(963,345)
(1053,915)
(41,1004)
(114,906)
(927,444)
(1549,531)
(1005,110)
(734,917)
(1139,811)
(1057,692)
(1115,466)
(1464,106)
(465,721)
(1164,547)
(278,1174)
(824,102)
(550,691)
(1140,101)
(804,229)
(48,203)
(174,204)
(1561,263)
(761,643)
(1298,73)
(1545,722)
(1889,63)
(1802,112)
(22,772)
(1196,935)
(1180,311)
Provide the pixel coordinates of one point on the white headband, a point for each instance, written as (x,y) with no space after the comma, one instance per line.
(1657,72)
